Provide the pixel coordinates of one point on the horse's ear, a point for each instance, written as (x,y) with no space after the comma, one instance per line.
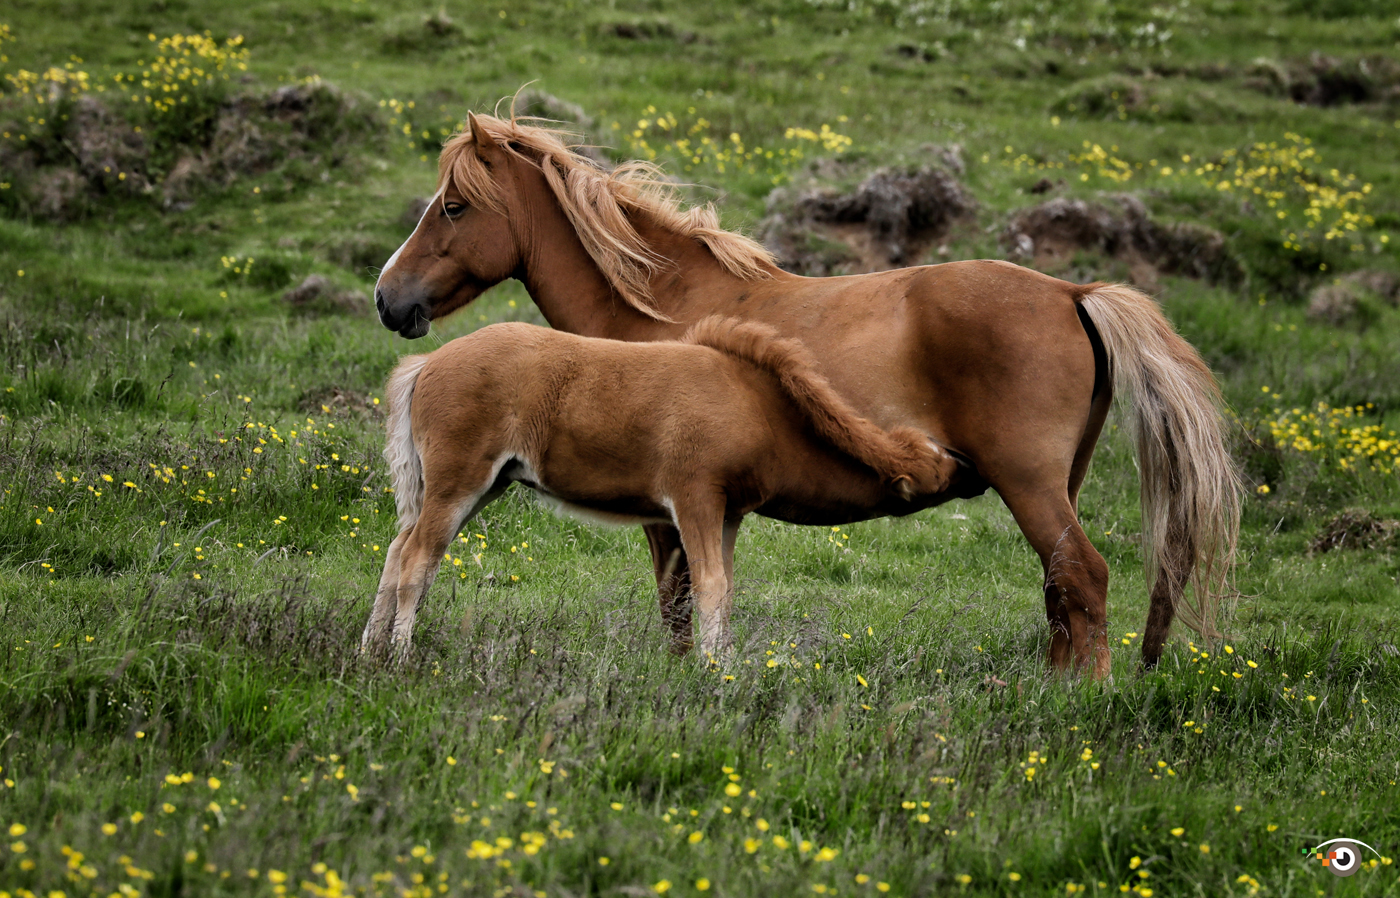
(486,148)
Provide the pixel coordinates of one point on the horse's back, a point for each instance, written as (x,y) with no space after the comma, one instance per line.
(963,350)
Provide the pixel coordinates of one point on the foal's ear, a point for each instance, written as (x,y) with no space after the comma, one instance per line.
(487,150)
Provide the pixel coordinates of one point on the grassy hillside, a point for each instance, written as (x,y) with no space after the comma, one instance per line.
(194,511)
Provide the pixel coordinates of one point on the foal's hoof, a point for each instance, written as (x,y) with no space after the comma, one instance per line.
(714,655)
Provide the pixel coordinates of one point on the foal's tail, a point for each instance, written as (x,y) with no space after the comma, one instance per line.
(1190,485)
(405,467)
(903,457)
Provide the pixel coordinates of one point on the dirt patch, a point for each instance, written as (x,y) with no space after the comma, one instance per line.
(534,103)
(641,30)
(1322,80)
(253,135)
(92,151)
(888,221)
(420,33)
(104,145)
(318,296)
(1355,529)
(83,154)
(1354,298)
(1121,97)
(330,400)
(1050,236)
(413,212)
(363,254)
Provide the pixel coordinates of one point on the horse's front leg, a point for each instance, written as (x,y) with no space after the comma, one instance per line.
(672,583)
(709,541)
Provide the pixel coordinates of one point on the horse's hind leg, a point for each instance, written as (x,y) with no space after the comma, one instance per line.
(1166,592)
(381,617)
(672,583)
(469,488)
(1084,453)
(1099,405)
(1076,580)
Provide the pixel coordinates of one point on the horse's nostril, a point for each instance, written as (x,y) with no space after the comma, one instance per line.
(379,301)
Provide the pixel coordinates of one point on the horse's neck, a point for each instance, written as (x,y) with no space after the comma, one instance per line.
(574,296)
(692,283)
(567,286)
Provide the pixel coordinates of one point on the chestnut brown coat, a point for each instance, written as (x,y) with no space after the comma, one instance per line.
(1011,368)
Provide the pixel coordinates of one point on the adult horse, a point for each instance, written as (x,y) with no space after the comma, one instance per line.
(1012,369)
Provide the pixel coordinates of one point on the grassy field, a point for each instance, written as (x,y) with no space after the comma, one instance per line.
(194,510)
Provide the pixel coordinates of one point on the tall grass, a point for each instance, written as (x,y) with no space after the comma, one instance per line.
(193,508)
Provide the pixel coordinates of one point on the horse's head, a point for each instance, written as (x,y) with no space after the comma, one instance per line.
(463,244)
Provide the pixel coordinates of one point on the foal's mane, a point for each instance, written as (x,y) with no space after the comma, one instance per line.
(600,205)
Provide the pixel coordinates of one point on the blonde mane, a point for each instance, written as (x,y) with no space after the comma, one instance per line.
(598,203)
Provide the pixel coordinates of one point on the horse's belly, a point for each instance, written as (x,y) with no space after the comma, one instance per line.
(620,515)
(830,510)
(612,504)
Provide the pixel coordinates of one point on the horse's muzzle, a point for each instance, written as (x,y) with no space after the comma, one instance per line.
(411,322)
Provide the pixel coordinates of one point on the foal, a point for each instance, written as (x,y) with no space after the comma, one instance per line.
(731,419)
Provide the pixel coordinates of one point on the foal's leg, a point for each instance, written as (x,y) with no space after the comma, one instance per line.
(672,583)
(703,530)
(381,617)
(731,536)
(446,509)
(1076,580)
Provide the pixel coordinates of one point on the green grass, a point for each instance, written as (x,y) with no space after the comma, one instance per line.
(191,641)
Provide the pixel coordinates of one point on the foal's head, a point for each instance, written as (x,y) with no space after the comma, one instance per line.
(464,243)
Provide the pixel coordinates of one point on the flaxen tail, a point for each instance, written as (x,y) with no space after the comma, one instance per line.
(903,457)
(405,467)
(1190,485)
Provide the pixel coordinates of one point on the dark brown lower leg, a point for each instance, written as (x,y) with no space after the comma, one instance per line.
(672,584)
(1076,582)
(1166,592)
(1057,614)
(1077,578)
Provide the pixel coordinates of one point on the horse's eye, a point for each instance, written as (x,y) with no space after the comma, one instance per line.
(454,209)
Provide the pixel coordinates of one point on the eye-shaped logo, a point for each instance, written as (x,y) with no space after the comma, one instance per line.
(1341,856)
